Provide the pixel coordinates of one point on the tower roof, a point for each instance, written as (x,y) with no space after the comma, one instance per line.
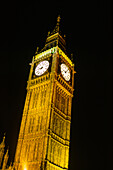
(57,27)
(54,38)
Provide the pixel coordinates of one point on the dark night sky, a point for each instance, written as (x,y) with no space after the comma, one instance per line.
(87,25)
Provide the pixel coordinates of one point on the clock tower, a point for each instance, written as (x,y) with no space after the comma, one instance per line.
(44,137)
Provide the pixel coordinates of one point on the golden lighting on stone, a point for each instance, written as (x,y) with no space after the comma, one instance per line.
(44,136)
(52,50)
(45,53)
(25,168)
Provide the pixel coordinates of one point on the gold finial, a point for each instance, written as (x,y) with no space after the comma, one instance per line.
(37,50)
(64,36)
(71,57)
(58,19)
(56,29)
(58,23)
(4,137)
(48,34)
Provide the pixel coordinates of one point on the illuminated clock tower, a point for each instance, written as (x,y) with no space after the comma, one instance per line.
(44,137)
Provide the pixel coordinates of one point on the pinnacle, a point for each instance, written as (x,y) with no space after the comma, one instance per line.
(58,19)
(57,27)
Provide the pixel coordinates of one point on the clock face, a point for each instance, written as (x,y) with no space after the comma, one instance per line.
(41,68)
(65,72)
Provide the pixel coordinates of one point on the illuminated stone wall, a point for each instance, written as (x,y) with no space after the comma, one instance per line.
(44,136)
(32,140)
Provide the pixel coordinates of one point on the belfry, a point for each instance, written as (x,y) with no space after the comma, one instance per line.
(44,137)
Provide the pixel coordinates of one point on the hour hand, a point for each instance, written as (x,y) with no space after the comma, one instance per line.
(41,67)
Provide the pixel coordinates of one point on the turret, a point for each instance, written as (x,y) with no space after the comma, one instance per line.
(5,160)
(2,147)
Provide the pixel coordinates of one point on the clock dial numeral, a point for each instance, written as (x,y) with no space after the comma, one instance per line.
(65,72)
(41,68)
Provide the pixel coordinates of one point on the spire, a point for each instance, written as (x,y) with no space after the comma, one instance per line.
(58,23)
(55,38)
(57,27)
(37,50)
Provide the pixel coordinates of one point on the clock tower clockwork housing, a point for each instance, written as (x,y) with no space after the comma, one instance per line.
(44,137)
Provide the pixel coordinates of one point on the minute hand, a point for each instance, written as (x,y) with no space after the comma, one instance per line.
(66,71)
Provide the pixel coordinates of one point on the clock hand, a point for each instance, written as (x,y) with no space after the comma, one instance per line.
(66,71)
(41,67)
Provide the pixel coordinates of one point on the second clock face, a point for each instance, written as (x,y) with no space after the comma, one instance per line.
(65,72)
(41,68)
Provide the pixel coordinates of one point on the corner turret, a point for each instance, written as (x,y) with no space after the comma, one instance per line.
(2,147)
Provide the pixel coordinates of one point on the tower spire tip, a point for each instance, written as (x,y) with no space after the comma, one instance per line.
(58,19)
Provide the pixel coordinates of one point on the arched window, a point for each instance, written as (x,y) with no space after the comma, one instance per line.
(34,151)
(38,124)
(25,152)
(32,124)
(36,98)
(37,151)
(28,155)
(54,122)
(33,102)
(30,121)
(41,122)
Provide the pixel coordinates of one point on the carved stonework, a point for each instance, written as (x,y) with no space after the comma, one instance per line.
(44,137)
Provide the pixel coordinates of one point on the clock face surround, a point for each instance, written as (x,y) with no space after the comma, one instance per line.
(41,68)
(65,72)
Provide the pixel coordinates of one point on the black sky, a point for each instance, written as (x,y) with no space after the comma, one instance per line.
(87,25)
